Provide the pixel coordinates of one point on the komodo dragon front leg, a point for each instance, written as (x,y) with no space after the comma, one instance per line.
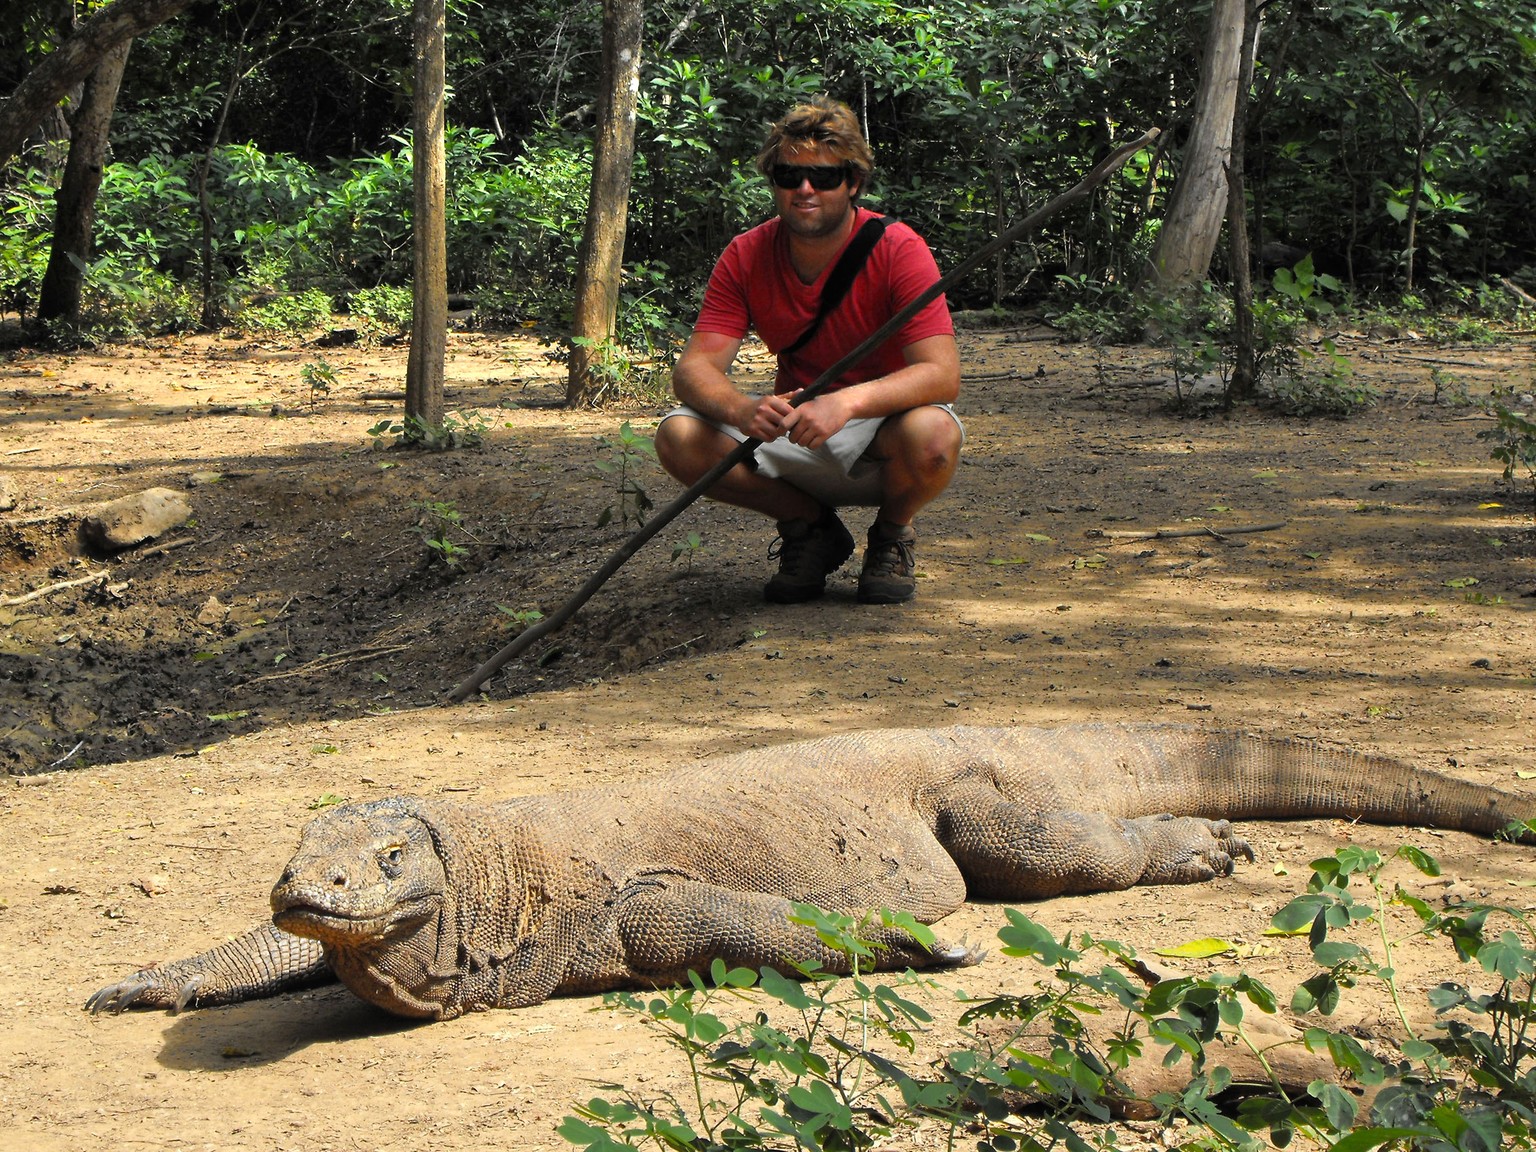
(262,962)
(667,926)
(1010,851)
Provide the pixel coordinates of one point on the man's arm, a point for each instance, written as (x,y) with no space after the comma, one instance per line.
(701,379)
(931,376)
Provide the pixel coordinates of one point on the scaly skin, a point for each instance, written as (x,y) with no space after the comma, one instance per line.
(430,909)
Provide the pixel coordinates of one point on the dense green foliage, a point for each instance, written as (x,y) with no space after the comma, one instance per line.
(1370,124)
(832,1063)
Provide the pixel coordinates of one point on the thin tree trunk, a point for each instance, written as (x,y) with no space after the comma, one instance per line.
(1411,251)
(74,217)
(429,237)
(1244,380)
(1192,226)
(72,61)
(211,310)
(1263,100)
(601,266)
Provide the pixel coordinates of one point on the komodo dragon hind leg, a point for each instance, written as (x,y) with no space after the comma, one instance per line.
(1009,851)
(262,962)
(668,927)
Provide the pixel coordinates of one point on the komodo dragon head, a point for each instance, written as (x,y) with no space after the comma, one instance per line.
(427,909)
(369,883)
(365,872)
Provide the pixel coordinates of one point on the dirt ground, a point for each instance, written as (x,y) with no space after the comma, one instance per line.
(172,715)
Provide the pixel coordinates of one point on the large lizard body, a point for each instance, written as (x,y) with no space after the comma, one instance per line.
(431,909)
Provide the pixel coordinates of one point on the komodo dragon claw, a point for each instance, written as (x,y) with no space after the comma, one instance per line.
(1188,849)
(119,997)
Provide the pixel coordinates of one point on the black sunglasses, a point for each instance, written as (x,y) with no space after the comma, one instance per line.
(823,177)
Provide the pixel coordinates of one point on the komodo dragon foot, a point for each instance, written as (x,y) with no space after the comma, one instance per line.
(1187,849)
(144,989)
(262,962)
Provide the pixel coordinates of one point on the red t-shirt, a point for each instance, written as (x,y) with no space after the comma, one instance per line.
(754,286)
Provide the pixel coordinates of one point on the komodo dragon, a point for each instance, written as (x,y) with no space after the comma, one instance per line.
(430,909)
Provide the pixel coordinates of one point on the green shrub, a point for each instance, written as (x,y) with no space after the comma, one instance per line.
(296,315)
(826,1063)
(381,311)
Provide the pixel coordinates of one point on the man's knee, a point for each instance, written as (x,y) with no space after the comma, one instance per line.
(687,447)
(926,440)
(677,444)
(666,442)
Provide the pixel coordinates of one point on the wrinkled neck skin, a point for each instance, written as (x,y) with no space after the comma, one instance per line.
(424,909)
(402,975)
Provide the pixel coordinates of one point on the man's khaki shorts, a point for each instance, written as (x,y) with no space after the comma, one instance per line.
(840,473)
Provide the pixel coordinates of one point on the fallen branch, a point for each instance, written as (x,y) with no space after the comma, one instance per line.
(168,546)
(64,759)
(338,660)
(1517,292)
(1126,537)
(204,847)
(38,594)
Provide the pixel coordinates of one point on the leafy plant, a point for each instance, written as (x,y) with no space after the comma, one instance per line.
(438,523)
(519,618)
(815,1082)
(1514,441)
(1474,1082)
(689,546)
(320,378)
(1323,383)
(382,311)
(458,430)
(1305,287)
(822,1064)
(290,314)
(624,458)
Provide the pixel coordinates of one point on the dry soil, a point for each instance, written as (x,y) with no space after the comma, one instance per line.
(172,715)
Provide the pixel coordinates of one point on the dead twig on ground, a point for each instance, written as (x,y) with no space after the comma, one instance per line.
(167,546)
(336,660)
(49,590)
(1128,537)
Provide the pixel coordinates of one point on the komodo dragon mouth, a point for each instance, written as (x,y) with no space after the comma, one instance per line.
(298,912)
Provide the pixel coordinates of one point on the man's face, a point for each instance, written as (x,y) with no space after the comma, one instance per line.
(806,211)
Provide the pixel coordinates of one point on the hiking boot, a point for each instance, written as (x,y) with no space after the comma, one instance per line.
(889,564)
(808,552)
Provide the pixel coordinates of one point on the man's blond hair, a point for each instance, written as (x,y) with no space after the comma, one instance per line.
(824,121)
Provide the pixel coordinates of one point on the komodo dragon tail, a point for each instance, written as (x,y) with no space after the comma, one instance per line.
(1237,775)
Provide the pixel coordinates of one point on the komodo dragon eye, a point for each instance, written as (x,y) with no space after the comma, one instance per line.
(390,861)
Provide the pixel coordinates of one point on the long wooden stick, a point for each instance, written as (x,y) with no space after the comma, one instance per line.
(525,639)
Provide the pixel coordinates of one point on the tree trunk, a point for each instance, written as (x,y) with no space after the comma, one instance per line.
(601,266)
(1244,380)
(72,61)
(75,214)
(212,312)
(429,237)
(1192,226)
(1415,198)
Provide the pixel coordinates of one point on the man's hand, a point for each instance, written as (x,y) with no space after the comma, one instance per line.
(766,418)
(816,421)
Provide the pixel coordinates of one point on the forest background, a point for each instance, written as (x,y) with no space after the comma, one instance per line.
(260,161)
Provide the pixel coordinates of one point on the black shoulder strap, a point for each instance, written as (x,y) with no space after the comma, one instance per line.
(842,276)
